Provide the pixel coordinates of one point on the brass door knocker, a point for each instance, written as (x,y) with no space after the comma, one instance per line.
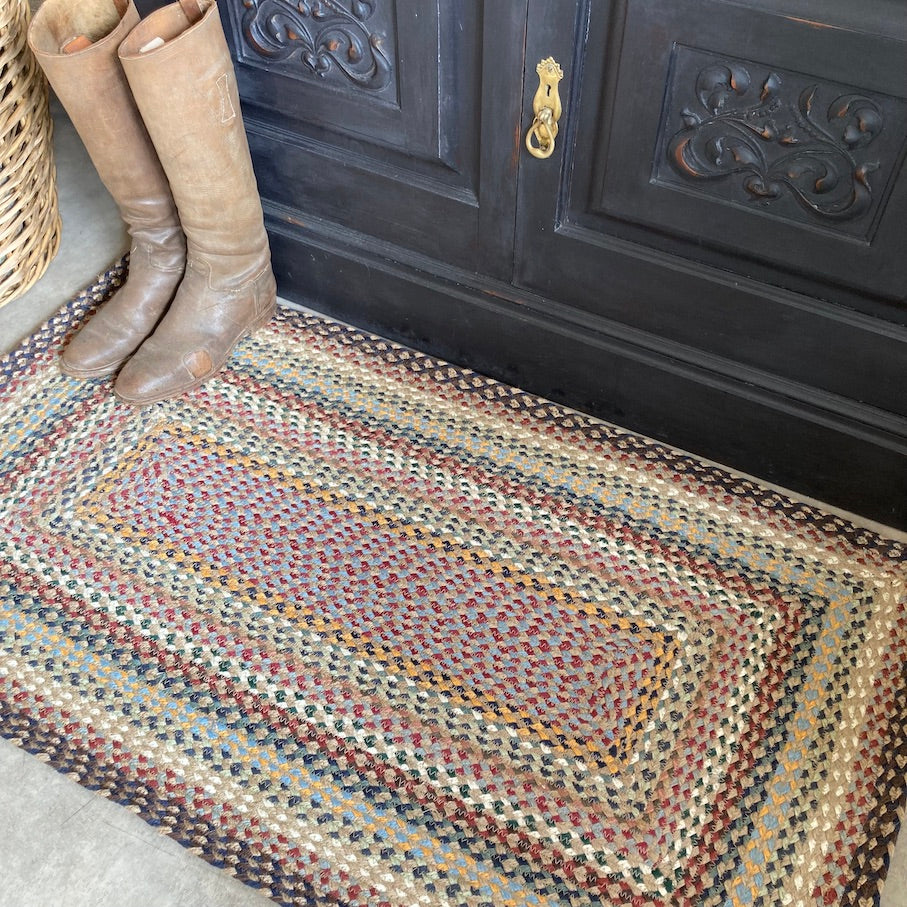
(547,109)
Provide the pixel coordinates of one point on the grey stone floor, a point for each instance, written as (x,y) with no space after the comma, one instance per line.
(61,845)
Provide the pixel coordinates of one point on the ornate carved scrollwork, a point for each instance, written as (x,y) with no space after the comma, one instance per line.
(778,140)
(322,35)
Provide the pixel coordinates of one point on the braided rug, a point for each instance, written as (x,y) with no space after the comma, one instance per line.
(364,628)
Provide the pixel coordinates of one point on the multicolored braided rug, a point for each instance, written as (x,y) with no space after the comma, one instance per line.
(364,628)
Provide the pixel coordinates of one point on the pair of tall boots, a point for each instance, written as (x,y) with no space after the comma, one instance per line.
(156,105)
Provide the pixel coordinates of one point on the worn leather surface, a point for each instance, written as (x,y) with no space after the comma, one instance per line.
(186,92)
(93,89)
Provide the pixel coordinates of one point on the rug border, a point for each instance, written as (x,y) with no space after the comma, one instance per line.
(156,809)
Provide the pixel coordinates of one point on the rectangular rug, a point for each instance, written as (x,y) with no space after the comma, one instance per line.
(365,628)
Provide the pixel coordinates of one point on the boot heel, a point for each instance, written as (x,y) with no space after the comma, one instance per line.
(262,319)
(267,313)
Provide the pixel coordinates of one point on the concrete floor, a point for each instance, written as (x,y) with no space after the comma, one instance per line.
(61,844)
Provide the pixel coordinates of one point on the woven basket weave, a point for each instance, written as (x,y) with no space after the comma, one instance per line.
(29,219)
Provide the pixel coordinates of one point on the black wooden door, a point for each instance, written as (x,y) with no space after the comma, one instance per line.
(713,255)
(727,215)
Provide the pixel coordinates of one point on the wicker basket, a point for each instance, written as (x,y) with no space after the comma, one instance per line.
(29,220)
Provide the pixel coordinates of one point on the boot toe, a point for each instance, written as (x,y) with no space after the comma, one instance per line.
(141,385)
(150,377)
(86,357)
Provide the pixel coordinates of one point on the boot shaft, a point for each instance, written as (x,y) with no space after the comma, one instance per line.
(92,88)
(181,75)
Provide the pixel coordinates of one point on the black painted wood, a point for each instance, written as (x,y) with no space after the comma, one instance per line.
(714,256)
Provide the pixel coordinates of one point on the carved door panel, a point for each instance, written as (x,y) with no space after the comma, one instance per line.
(729,194)
(367,116)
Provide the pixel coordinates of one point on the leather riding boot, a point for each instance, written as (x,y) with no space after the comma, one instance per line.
(181,75)
(75,42)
